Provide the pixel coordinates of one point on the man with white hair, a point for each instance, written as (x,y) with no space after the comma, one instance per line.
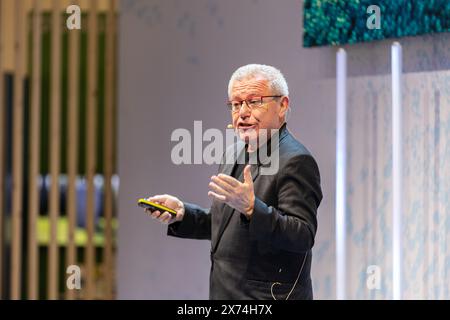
(261,227)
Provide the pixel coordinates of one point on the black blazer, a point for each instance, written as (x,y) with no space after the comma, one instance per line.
(262,258)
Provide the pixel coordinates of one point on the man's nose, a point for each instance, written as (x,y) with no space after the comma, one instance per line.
(245,110)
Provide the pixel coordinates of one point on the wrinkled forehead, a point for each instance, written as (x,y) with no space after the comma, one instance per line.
(250,86)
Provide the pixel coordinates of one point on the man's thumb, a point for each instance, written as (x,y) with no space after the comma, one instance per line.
(247,174)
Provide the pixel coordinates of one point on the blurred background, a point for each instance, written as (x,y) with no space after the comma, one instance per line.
(80,109)
(57,149)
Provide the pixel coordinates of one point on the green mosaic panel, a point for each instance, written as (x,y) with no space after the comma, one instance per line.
(337,22)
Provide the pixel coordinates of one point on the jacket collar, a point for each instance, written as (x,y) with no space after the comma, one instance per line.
(236,154)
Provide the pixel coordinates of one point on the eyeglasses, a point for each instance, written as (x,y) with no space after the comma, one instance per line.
(252,103)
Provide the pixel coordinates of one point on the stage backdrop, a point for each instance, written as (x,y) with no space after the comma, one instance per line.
(175,61)
(176,58)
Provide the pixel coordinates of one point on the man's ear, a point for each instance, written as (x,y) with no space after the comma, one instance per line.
(284,106)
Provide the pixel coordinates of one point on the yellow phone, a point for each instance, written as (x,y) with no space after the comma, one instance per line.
(152,206)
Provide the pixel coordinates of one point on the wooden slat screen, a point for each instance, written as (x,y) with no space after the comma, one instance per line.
(109,145)
(2,143)
(17,146)
(57,149)
(55,144)
(90,143)
(33,263)
(72,168)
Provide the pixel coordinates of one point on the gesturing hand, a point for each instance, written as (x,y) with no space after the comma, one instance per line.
(236,194)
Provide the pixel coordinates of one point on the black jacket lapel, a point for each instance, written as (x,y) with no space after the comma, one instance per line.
(224,212)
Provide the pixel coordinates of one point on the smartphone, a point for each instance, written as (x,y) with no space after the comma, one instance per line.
(152,206)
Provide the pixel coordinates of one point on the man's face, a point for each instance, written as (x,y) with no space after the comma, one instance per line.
(270,115)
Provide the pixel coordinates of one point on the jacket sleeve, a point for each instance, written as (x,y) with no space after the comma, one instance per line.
(196,223)
(292,225)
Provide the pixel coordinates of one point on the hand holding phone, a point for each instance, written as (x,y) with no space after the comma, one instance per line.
(153,206)
(165,208)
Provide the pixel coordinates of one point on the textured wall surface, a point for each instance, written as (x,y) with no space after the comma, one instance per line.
(426,203)
(426,251)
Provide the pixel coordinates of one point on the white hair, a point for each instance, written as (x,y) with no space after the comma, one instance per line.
(276,79)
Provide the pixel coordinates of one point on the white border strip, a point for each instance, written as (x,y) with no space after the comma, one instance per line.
(341,147)
(396,60)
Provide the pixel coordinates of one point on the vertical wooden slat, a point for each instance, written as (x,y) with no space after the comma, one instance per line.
(55,129)
(34,153)
(73,95)
(2,145)
(17,183)
(91,146)
(108,148)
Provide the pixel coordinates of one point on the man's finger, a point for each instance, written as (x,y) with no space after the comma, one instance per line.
(216,196)
(248,174)
(229,179)
(155,214)
(165,217)
(159,199)
(218,189)
(223,184)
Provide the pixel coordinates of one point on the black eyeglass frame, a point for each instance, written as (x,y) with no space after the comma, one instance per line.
(230,103)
